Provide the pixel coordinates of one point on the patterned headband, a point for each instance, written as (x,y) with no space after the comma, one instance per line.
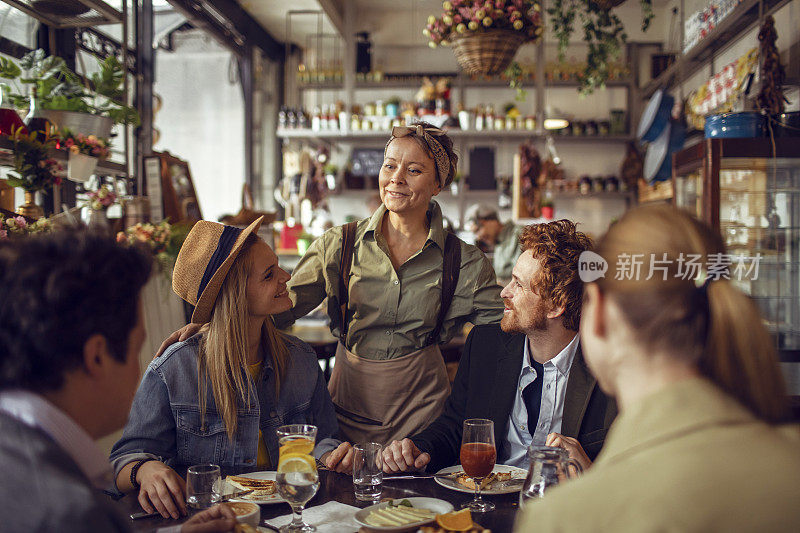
(436,148)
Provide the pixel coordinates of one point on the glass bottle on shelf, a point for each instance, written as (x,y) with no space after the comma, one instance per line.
(489,117)
(9,119)
(35,122)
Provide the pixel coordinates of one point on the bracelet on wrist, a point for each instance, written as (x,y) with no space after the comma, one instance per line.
(135,471)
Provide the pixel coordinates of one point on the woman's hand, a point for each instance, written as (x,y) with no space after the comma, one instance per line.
(217,519)
(182,334)
(340,459)
(162,490)
(572,446)
(403,455)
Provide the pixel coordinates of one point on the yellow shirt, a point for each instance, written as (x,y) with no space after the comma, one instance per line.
(262,459)
(392,312)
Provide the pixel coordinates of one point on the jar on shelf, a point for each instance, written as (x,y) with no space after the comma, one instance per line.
(369,109)
(591,128)
(578,128)
(530,123)
(585,185)
(598,184)
(603,127)
(611,184)
(355,123)
(380,110)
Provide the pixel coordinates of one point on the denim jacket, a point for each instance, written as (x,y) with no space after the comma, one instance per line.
(164,422)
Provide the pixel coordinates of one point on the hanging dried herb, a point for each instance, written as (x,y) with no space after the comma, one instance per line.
(771,99)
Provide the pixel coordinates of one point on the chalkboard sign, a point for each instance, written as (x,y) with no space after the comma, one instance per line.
(481,169)
(366,162)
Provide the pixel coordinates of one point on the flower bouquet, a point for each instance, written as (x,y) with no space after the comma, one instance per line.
(84,154)
(163,240)
(18,226)
(102,198)
(485,33)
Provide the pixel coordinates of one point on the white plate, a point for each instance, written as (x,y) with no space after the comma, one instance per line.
(271,498)
(434,504)
(452,484)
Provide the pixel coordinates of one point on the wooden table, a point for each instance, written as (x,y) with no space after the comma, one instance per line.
(339,487)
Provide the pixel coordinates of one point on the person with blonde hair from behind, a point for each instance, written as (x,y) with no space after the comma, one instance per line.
(696,445)
(218,396)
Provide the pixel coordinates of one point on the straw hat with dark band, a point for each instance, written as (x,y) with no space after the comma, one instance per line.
(203,262)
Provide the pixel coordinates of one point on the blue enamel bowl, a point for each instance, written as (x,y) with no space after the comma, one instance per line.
(735,125)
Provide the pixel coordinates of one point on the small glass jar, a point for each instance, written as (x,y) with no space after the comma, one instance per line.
(530,123)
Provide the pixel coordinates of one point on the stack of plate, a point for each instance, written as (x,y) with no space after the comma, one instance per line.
(663,135)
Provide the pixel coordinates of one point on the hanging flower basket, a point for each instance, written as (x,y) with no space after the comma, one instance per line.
(485,34)
(487,52)
(80,167)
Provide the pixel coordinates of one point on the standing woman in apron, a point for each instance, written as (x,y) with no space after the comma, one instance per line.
(397,287)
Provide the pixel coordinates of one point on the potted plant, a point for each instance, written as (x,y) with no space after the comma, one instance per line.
(84,154)
(34,169)
(603,32)
(90,106)
(485,34)
(99,202)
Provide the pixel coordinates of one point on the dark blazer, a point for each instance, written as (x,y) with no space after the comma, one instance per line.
(486,385)
(43,489)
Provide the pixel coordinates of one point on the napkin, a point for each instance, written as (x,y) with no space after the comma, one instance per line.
(332,517)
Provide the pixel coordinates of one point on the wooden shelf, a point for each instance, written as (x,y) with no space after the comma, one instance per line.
(413,82)
(513,135)
(105,168)
(740,20)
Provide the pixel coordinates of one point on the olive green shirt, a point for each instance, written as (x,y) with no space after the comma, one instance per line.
(686,458)
(391,313)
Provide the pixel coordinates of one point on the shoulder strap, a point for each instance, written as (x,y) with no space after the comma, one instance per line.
(348,243)
(451,267)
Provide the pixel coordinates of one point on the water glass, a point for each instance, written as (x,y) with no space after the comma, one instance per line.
(297,480)
(367,471)
(202,486)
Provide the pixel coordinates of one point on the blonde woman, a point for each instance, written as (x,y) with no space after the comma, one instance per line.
(397,285)
(218,396)
(695,446)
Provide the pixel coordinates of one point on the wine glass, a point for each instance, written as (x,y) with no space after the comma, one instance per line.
(478,455)
(297,479)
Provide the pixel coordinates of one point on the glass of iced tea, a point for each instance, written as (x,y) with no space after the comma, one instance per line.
(297,480)
(478,454)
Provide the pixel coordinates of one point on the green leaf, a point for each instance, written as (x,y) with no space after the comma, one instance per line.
(8,69)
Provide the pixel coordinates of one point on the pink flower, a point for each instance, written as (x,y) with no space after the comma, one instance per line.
(3,234)
(21,222)
(69,142)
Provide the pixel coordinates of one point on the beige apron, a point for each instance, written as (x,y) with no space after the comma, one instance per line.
(384,400)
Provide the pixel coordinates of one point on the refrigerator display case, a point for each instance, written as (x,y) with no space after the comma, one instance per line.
(749,190)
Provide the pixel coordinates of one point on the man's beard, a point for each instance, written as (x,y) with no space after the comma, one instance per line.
(535,319)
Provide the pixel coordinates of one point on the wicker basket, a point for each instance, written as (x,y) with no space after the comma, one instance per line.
(487,52)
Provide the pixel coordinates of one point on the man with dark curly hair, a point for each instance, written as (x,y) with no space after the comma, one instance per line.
(527,374)
(71,329)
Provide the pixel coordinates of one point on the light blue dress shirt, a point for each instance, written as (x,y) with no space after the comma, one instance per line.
(519,436)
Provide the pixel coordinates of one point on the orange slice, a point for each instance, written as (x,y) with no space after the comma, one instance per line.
(456,521)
